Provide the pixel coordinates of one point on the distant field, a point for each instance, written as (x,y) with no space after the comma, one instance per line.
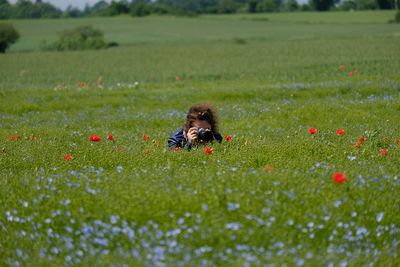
(265,198)
(205,29)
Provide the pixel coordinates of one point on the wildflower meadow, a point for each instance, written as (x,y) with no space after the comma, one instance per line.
(308,172)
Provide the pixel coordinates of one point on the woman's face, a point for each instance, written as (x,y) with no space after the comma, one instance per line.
(202,124)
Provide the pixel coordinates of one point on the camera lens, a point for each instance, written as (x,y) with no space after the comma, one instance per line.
(204,135)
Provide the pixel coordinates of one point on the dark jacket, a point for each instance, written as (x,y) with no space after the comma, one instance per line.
(178,140)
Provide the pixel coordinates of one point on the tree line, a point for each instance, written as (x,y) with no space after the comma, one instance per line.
(40,9)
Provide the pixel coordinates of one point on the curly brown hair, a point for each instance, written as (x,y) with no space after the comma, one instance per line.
(202,111)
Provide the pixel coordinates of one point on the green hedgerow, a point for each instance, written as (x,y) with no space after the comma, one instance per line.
(8,36)
(80,38)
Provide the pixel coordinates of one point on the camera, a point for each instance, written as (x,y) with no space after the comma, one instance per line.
(204,135)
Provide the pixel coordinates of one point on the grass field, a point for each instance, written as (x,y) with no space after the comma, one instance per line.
(265,198)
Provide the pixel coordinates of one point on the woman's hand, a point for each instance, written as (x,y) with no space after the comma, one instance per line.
(192,135)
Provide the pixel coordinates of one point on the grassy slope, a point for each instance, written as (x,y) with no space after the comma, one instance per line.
(269,91)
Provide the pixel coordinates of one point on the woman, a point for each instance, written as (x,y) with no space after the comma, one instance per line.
(201,127)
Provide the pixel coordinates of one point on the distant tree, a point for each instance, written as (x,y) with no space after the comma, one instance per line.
(252,6)
(22,9)
(358,5)
(270,6)
(290,5)
(366,4)
(140,8)
(305,7)
(191,7)
(226,6)
(99,8)
(259,6)
(347,5)
(8,36)
(117,8)
(209,6)
(156,8)
(5,9)
(80,38)
(86,9)
(26,9)
(185,7)
(266,6)
(322,5)
(385,4)
(73,12)
(46,10)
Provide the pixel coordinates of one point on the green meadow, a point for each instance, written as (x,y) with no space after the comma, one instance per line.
(267,197)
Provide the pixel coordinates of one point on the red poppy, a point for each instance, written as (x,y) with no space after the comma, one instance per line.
(146,137)
(312,130)
(68,157)
(208,150)
(342,67)
(339,177)
(384,152)
(360,141)
(14,137)
(228,138)
(268,168)
(95,138)
(353,72)
(177,78)
(340,132)
(110,137)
